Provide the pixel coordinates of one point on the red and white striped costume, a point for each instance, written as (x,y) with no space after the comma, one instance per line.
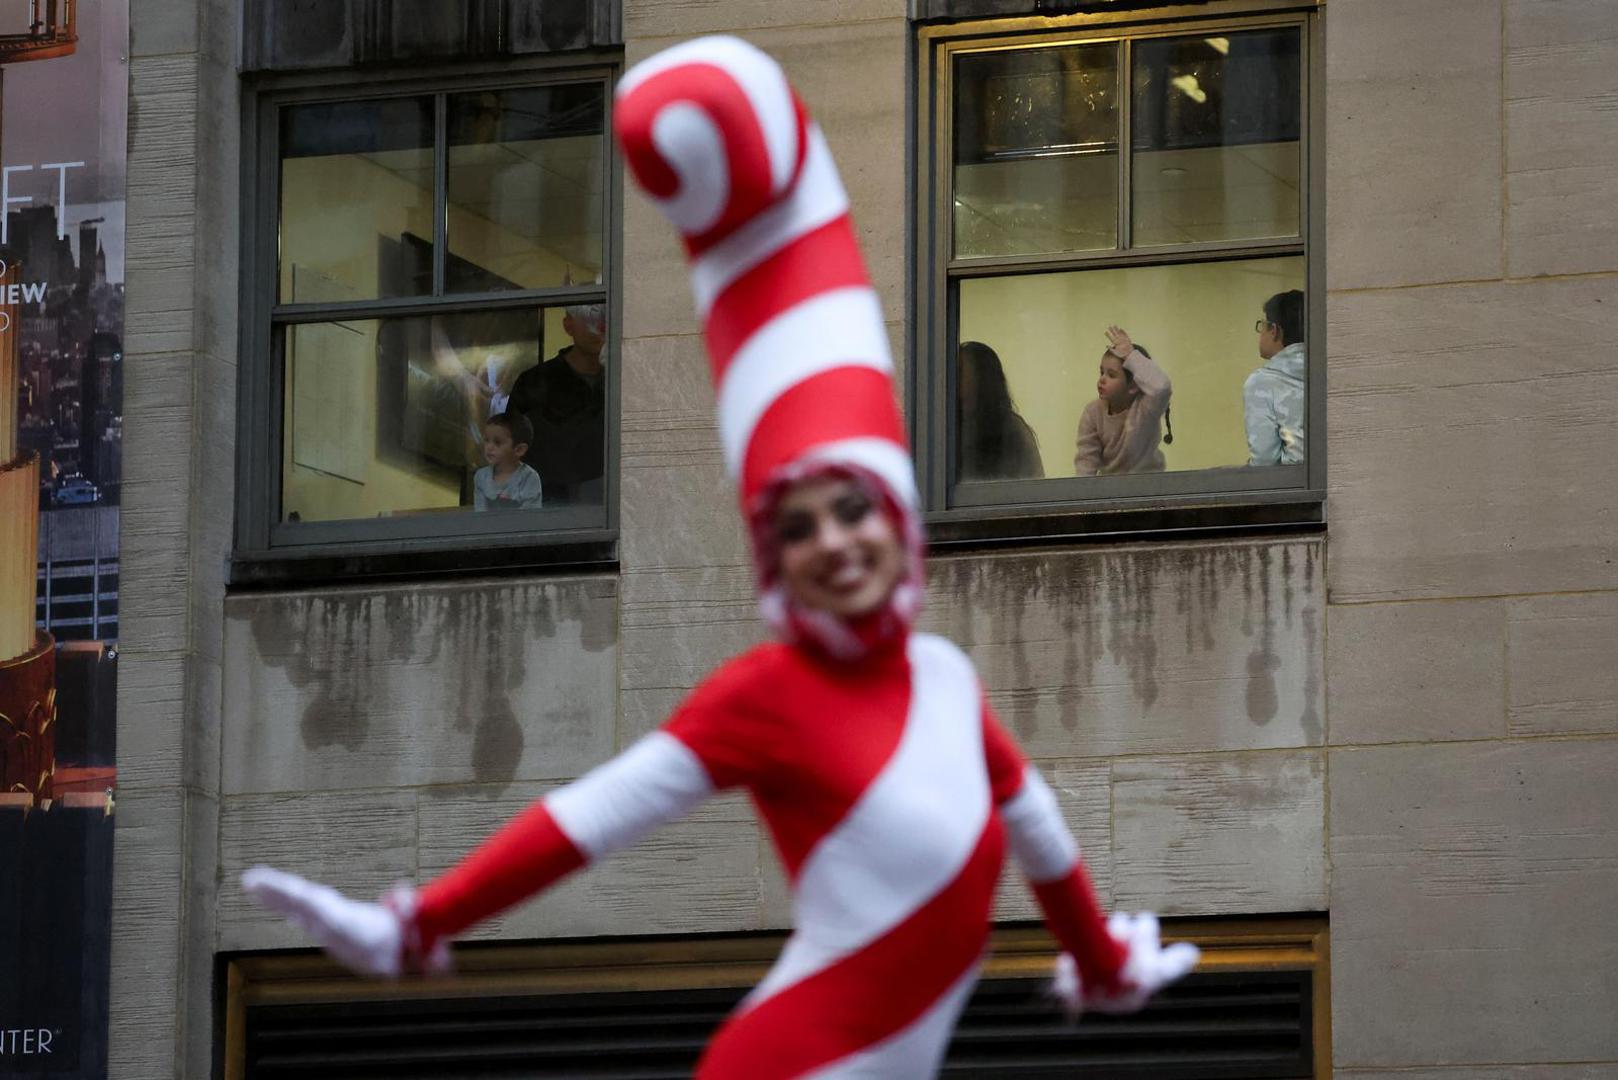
(870,752)
(889,790)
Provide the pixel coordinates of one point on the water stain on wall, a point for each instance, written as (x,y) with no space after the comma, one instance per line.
(1062,628)
(354,653)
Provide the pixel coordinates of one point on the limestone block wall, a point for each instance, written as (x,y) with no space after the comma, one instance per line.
(1472,702)
(1410,722)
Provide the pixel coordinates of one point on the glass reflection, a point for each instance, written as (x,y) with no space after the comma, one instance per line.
(1036,151)
(525,179)
(353,172)
(1215,125)
(451,413)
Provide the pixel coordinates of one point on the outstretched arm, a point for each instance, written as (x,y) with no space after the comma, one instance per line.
(655,781)
(1112,965)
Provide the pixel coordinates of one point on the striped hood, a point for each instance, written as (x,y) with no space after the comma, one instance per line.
(716,136)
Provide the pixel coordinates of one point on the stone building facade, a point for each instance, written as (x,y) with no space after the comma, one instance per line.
(1405,719)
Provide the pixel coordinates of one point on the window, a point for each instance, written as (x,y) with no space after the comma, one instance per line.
(1148,176)
(427,343)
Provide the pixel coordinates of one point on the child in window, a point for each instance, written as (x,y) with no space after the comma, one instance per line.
(1120,430)
(505,483)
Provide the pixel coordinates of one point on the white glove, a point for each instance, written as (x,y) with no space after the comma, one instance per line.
(369,939)
(1148,968)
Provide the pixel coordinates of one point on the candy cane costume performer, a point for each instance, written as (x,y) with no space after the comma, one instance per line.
(888,786)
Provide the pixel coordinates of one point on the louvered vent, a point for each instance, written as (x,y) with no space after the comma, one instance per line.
(1244,1025)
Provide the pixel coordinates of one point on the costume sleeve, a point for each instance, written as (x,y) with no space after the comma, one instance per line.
(1258,413)
(657,780)
(1049,858)
(1141,431)
(1087,459)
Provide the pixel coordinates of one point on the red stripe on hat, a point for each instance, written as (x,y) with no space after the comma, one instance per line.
(826,258)
(870,994)
(842,403)
(721,97)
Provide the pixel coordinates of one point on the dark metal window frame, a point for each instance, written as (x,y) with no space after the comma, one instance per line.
(1124,506)
(268,550)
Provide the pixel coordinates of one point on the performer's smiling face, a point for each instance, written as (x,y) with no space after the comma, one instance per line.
(839,552)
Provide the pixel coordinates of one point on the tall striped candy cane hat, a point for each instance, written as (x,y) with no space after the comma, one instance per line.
(715,135)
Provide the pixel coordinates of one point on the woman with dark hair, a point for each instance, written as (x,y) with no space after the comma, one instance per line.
(996,443)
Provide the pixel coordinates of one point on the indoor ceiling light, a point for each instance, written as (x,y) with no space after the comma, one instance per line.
(1220,45)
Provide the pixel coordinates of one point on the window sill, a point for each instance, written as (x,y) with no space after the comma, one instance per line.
(249,570)
(966,528)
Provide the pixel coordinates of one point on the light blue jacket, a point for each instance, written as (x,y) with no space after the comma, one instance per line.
(1274,405)
(521,491)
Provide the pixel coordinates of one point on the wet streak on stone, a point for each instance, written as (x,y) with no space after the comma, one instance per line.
(346,644)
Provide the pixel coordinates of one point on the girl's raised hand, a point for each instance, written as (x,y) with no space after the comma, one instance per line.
(1121,346)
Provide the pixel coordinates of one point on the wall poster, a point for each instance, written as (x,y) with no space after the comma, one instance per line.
(64,91)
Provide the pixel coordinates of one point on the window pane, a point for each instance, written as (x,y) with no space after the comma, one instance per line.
(1216,125)
(525,187)
(352,174)
(386,417)
(1036,151)
(1029,382)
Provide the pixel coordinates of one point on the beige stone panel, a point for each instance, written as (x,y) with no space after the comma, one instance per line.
(1561,136)
(682,18)
(359,842)
(678,626)
(1487,1072)
(1143,650)
(678,504)
(1216,835)
(1468,882)
(853,79)
(148,862)
(161,26)
(199,934)
(1469,434)
(1084,792)
(162,187)
(480,681)
(1564,664)
(1413,154)
(1416,672)
(156,503)
(151,703)
(696,875)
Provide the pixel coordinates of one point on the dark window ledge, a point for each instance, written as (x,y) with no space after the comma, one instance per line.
(948,10)
(265,570)
(959,531)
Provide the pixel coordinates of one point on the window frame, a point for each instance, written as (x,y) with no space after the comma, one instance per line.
(267,550)
(1236,497)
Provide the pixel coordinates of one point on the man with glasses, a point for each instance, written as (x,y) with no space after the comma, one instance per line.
(1273,399)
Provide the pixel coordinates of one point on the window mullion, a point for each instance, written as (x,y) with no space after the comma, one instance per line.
(1126,138)
(440,190)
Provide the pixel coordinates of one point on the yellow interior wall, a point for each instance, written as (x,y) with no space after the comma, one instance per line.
(1195,320)
(333,210)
